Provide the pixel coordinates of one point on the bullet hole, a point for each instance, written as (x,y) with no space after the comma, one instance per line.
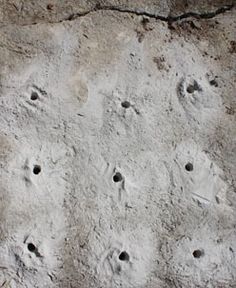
(31,247)
(34,96)
(193,87)
(117,177)
(190,89)
(36,169)
(124,256)
(189,167)
(50,7)
(198,253)
(125,104)
(214,83)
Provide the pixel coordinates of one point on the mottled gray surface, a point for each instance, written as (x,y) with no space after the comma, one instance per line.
(29,12)
(131,119)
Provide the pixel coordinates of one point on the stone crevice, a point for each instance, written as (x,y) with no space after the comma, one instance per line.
(137,12)
(171,19)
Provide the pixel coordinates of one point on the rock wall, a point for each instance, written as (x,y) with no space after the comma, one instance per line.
(117,144)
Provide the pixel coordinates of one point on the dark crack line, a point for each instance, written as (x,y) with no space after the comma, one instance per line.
(169,19)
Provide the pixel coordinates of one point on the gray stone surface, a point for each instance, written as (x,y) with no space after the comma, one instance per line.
(117,144)
(29,12)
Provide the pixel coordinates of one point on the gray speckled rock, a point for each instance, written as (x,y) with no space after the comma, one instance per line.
(28,12)
(117,144)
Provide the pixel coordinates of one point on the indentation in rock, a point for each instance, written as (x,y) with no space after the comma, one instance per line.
(198,253)
(213,82)
(124,256)
(191,88)
(33,249)
(189,167)
(34,96)
(36,169)
(125,104)
(117,177)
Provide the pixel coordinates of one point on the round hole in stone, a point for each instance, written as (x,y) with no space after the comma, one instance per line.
(124,256)
(31,247)
(125,104)
(198,253)
(36,169)
(189,167)
(34,96)
(117,177)
(214,83)
(190,89)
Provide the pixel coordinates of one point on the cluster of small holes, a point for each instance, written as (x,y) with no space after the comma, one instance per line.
(36,169)
(123,256)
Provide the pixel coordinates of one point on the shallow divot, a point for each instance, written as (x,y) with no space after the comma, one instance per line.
(31,247)
(189,167)
(125,104)
(193,87)
(117,177)
(214,83)
(190,89)
(198,253)
(36,169)
(34,96)
(124,256)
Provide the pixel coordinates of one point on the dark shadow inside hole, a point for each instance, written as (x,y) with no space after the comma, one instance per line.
(198,253)
(117,177)
(214,83)
(193,87)
(124,256)
(31,247)
(189,167)
(34,96)
(36,169)
(190,89)
(125,104)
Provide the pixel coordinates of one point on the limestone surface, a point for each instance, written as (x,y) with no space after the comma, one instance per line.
(117,144)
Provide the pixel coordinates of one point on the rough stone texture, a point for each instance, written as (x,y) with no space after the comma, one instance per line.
(30,12)
(63,87)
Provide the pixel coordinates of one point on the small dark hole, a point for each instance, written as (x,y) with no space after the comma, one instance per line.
(117,177)
(31,247)
(124,256)
(37,169)
(198,253)
(125,104)
(50,7)
(190,89)
(189,167)
(214,83)
(34,96)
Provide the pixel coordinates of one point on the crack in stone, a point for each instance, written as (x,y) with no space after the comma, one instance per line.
(168,19)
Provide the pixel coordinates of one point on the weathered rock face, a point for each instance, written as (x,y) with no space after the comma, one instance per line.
(117,145)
